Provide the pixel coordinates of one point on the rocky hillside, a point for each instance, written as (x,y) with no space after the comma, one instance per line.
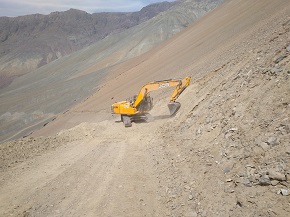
(225,153)
(31,41)
(53,88)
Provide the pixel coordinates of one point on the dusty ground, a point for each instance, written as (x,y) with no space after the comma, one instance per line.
(226,153)
(99,169)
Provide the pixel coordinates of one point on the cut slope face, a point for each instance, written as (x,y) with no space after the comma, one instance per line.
(55,87)
(226,153)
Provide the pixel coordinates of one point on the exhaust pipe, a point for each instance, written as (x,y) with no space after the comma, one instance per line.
(173,107)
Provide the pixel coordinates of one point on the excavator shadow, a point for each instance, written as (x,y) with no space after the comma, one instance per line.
(153,118)
(148,119)
(161,117)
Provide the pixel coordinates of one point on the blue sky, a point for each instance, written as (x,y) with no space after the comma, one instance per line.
(14,8)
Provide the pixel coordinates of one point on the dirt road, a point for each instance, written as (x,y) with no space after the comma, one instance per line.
(109,173)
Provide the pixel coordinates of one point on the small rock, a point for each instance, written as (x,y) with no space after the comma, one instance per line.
(274,182)
(190,197)
(276,175)
(273,141)
(264,180)
(247,183)
(227,170)
(239,203)
(276,70)
(284,192)
(232,129)
(288,48)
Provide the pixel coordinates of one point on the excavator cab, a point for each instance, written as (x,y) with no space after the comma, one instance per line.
(146,104)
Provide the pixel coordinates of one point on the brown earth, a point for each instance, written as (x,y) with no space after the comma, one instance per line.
(225,153)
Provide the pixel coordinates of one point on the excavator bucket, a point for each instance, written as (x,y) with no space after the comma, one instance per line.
(173,107)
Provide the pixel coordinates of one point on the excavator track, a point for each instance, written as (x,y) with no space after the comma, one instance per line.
(126,120)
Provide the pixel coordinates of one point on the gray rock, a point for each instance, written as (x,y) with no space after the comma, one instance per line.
(288,48)
(273,141)
(227,170)
(284,192)
(276,70)
(264,180)
(247,183)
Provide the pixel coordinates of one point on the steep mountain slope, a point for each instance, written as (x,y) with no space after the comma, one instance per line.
(31,41)
(53,88)
(225,153)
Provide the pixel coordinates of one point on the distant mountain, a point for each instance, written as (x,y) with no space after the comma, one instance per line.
(28,42)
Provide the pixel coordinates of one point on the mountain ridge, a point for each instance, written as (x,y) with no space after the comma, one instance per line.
(31,41)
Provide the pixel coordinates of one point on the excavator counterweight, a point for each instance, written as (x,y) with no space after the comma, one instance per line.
(138,106)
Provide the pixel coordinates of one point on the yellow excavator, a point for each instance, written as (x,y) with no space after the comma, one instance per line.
(138,106)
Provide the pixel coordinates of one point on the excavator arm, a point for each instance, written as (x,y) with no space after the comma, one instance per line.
(180,84)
